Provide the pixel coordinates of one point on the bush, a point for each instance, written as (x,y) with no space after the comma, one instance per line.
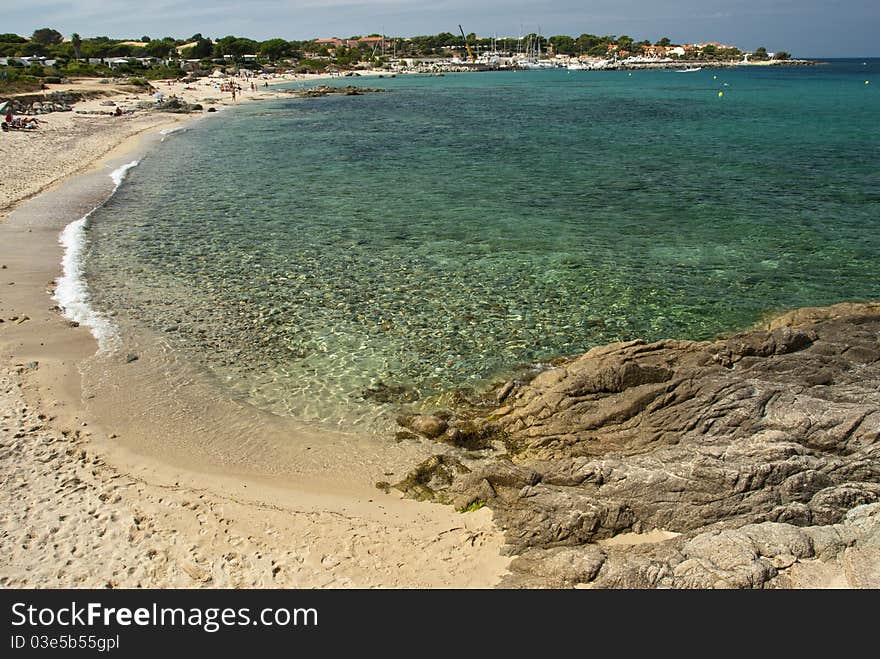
(12,80)
(76,69)
(311,66)
(164,73)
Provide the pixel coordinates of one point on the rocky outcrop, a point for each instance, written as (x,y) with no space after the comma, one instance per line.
(327,90)
(46,103)
(766,555)
(759,449)
(175,105)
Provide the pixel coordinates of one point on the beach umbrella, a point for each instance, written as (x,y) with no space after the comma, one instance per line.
(3,106)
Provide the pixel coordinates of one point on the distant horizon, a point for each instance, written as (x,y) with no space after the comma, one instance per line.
(807,28)
(215,37)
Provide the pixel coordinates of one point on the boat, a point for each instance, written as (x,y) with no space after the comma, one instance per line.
(532,59)
(699,68)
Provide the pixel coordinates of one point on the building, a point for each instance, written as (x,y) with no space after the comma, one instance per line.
(377,43)
(657,51)
(329,43)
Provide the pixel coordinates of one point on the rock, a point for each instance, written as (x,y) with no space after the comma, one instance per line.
(404,435)
(504,392)
(426,425)
(327,90)
(131,357)
(557,568)
(390,393)
(472,435)
(757,448)
(175,105)
(426,481)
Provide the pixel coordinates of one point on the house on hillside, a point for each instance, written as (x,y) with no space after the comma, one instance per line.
(378,43)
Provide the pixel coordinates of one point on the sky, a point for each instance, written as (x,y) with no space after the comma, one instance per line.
(805,28)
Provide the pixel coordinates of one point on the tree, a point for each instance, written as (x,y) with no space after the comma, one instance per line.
(34,49)
(47,36)
(95,48)
(159,48)
(639,47)
(145,39)
(274,49)
(586,41)
(663,42)
(563,44)
(782,55)
(120,50)
(76,42)
(203,48)
(710,52)
(760,54)
(11,38)
(235,46)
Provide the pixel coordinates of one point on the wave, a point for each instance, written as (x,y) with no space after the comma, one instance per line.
(170,131)
(71,290)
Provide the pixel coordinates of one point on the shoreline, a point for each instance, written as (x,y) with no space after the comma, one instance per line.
(405,544)
(90,121)
(186,483)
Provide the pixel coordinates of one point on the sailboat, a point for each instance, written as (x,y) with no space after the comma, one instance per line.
(532,60)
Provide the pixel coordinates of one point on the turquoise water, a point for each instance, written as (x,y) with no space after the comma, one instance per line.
(334,258)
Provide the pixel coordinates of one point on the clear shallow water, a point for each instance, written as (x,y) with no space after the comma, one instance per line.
(309,251)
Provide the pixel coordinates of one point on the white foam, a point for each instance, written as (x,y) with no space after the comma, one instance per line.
(168,131)
(118,176)
(71,290)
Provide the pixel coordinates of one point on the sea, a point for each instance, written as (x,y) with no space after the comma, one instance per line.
(340,259)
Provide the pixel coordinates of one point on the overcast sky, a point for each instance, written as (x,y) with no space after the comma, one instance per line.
(820,28)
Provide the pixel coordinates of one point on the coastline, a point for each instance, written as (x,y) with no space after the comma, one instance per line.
(79,139)
(319,514)
(125,440)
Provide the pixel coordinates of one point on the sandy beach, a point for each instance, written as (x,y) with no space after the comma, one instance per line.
(69,142)
(747,459)
(142,476)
